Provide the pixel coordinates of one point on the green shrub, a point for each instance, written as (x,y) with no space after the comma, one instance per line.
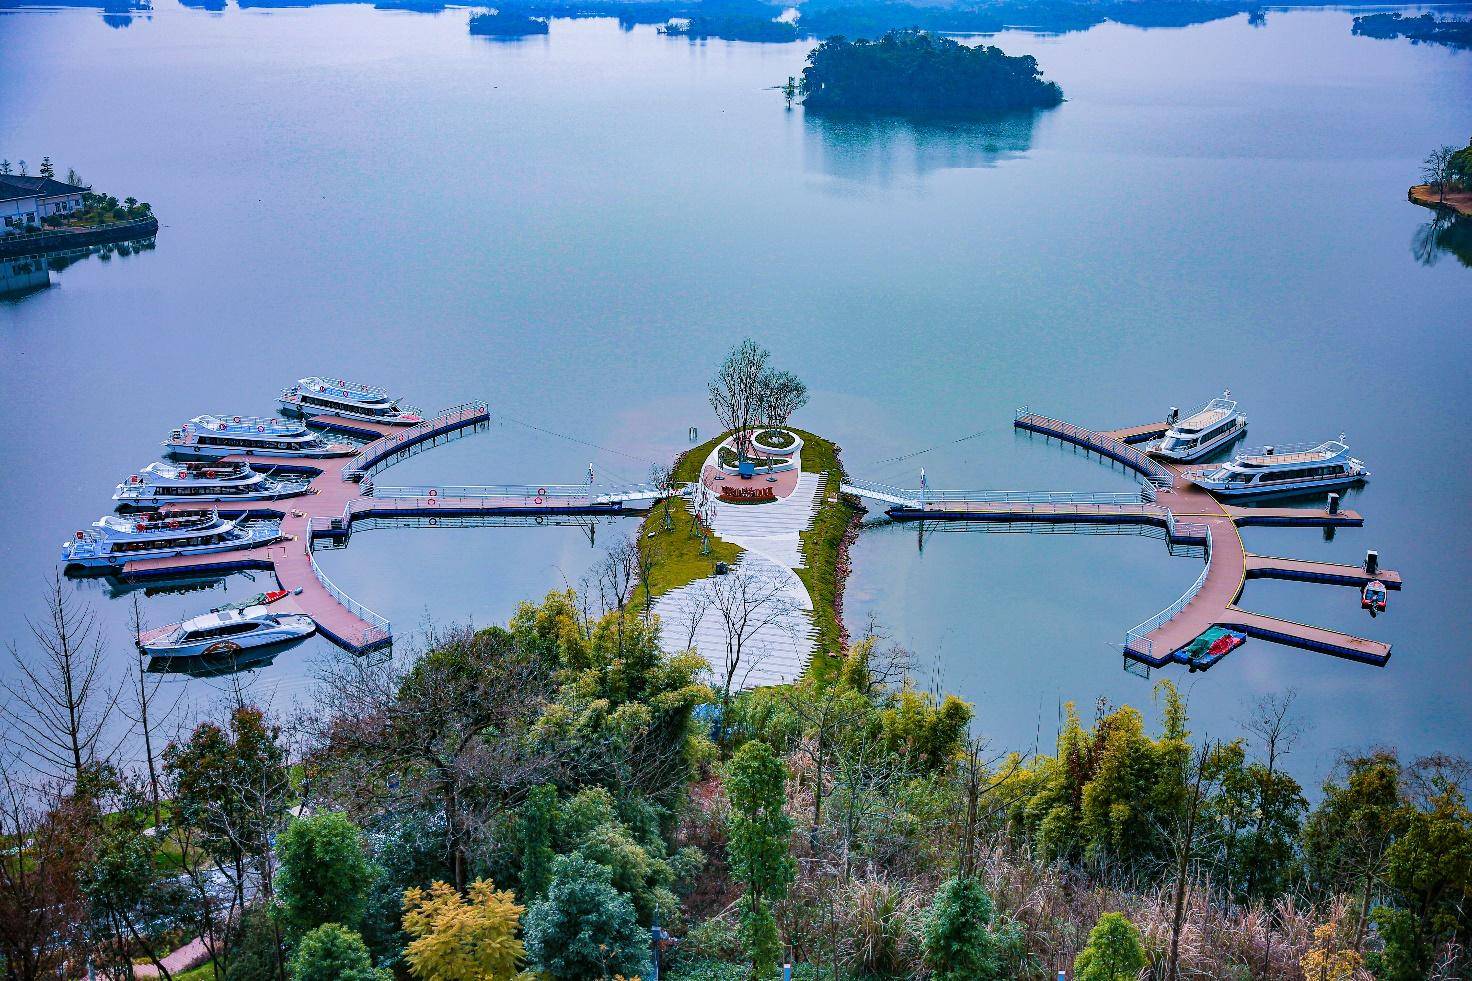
(334,953)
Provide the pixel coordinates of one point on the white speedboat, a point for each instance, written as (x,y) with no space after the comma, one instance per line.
(116,539)
(226,631)
(1203,430)
(1275,470)
(168,483)
(310,396)
(211,437)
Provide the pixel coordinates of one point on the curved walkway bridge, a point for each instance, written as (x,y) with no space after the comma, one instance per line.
(1190,516)
(343,491)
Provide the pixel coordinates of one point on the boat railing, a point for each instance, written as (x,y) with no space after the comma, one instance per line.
(378,628)
(1100,443)
(1330,446)
(1137,638)
(1144,495)
(351,388)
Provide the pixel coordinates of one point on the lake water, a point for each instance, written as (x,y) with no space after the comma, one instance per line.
(576,228)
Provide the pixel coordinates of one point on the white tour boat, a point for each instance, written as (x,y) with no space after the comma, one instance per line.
(334,396)
(211,437)
(1273,470)
(115,539)
(226,631)
(166,483)
(1205,429)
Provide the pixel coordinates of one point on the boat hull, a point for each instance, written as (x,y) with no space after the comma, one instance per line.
(1205,449)
(1222,489)
(307,411)
(190,451)
(157,500)
(290,626)
(116,560)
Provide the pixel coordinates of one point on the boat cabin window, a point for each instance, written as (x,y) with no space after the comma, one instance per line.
(223,630)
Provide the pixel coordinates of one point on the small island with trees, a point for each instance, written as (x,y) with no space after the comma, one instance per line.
(912,71)
(506,22)
(1426,28)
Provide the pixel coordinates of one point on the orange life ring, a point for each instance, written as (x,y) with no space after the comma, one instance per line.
(536,500)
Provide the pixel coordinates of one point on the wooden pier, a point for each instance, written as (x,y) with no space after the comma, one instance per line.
(1190,515)
(342,492)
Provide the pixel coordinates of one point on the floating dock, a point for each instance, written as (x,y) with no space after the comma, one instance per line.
(1190,516)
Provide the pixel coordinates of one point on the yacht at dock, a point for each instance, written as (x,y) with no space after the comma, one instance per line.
(165,483)
(1205,429)
(115,539)
(351,400)
(1277,470)
(211,437)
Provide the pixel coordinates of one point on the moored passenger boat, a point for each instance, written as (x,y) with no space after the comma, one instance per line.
(1271,470)
(166,483)
(226,631)
(210,437)
(1204,429)
(114,539)
(350,400)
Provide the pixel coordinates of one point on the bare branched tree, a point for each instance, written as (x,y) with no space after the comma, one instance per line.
(736,391)
(748,600)
(1440,169)
(147,718)
(59,703)
(41,906)
(782,394)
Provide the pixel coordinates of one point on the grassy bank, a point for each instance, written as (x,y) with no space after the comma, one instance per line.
(677,560)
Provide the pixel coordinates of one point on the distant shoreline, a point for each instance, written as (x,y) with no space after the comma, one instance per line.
(1458,201)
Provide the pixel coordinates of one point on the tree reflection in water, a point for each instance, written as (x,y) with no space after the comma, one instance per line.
(867,147)
(1446,232)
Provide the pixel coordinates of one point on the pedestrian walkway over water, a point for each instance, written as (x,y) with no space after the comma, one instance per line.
(1189,515)
(343,491)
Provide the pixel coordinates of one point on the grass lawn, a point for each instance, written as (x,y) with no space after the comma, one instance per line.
(679,561)
(205,972)
(677,558)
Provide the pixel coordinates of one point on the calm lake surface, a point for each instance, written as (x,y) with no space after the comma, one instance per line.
(576,228)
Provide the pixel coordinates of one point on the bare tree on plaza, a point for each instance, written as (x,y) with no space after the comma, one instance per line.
(782,394)
(737,392)
(747,600)
(59,704)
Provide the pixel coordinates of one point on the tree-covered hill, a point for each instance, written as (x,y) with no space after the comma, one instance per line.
(916,71)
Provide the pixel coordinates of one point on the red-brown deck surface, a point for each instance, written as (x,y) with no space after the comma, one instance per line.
(330,496)
(1229,564)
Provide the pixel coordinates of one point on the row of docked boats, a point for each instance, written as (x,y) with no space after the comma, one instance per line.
(164,509)
(1298,468)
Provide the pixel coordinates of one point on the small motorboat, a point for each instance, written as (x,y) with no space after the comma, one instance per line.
(1373,597)
(226,632)
(259,599)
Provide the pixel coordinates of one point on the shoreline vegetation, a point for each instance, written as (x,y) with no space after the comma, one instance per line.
(558,796)
(1425,29)
(756,21)
(913,71)
(506,22)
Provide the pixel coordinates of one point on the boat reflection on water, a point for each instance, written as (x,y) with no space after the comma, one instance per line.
(215,666)
(25,276)
(881,148)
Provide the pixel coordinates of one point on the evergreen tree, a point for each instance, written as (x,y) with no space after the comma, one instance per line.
(538,825)
(1113,952)
(46,169)
(583,927)
(758,848)
(324,875)
(333,953)
(959,944)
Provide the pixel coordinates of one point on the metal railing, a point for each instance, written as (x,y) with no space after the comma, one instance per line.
(1098,442)
(380,453)
(919,497)
(534,493)
(1137,639)
(378,628)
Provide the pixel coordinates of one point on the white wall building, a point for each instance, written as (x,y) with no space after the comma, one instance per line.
(25,201)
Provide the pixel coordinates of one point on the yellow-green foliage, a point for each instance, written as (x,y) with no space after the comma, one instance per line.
(1110,789)
(456,939)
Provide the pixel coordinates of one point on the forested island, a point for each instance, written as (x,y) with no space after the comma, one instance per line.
(920,72)
(506,23)
(733,27)
(1426,28)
